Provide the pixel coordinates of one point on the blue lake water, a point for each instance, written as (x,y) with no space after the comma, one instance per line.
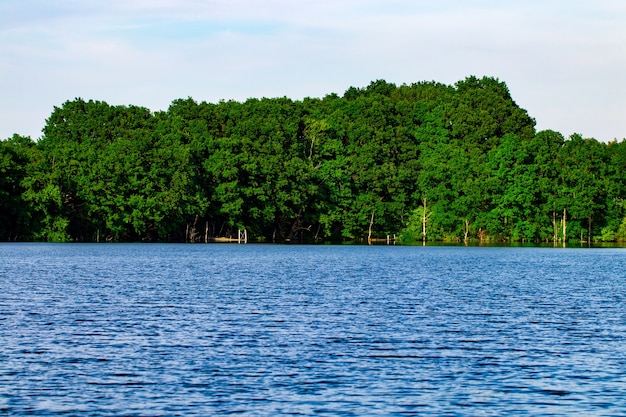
(151,329)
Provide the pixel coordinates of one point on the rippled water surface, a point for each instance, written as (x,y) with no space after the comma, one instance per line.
(329,330)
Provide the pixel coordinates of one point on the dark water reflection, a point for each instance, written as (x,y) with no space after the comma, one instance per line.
(335,330)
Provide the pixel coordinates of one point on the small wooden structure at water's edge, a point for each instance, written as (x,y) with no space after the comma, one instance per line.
(390,240)
(242,237)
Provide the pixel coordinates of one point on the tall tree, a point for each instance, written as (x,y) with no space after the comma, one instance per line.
(16,155)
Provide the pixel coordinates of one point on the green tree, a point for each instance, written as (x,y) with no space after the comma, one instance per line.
(433,161)
(16,156)
(583,184)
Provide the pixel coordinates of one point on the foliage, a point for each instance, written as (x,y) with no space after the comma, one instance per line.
(425,160)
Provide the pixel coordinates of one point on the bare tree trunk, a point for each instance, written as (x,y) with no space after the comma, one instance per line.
(190,233)
(424,223)
(554,228)
(296,231)
(369,236)
(564,226)
(466,239)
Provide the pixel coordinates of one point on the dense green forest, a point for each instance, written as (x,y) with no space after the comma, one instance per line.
(425,161)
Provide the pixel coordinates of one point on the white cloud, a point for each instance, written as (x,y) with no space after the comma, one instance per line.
(563,60)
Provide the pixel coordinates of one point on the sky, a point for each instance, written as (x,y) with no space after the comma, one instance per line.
(564,61)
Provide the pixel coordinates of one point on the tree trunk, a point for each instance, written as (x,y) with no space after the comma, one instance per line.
(297,229)
(564,226)
(466,239)
(191,232)
(369,236)
(424,223)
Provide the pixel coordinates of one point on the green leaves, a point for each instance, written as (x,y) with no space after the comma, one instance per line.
(457,162)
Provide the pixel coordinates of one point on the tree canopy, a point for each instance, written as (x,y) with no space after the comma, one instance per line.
(425,161)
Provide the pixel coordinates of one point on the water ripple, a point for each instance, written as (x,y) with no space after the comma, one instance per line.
(294,330)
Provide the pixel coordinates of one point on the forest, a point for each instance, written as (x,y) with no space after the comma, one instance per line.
(421,162)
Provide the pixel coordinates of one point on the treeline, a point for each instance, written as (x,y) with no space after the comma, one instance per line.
(422,161)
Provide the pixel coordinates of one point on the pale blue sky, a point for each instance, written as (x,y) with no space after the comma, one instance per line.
(563,60)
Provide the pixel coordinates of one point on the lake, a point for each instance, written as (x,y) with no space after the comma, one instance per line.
(163,330)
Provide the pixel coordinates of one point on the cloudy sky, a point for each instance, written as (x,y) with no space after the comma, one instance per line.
(564,61)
